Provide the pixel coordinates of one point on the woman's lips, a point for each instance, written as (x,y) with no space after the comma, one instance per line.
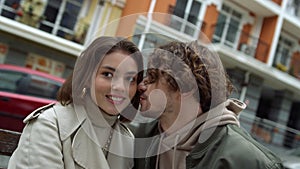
(115,99)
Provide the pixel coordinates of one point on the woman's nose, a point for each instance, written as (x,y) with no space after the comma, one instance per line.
(118,85)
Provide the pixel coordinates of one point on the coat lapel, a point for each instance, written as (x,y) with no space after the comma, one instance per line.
(86,151)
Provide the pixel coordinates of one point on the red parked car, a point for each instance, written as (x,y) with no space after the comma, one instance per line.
(22,90)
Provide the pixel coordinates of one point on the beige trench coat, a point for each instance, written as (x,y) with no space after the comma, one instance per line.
(54,138)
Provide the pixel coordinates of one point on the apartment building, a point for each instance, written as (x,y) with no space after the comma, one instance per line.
(48,35)
(258,42)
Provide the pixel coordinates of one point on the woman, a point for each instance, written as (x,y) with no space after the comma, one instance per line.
(85,130)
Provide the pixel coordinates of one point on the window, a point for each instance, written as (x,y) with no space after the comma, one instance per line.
(186,17)
(283,54)
(42,87)
(293,7)
(227,28)
(9,8)
(59,17)
(9,80)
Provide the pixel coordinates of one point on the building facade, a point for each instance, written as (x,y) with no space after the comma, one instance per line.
(48,35)
(258,42)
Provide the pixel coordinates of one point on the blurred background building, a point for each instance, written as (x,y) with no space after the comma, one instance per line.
(257,40)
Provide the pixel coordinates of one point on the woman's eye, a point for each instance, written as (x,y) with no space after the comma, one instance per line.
(107,74)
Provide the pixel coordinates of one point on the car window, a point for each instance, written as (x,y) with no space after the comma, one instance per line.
(43,87)
(33,85)
(9,80)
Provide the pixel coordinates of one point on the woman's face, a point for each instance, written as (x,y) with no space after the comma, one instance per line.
(116,82)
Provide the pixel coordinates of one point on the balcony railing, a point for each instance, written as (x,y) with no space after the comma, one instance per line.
(230,35)
(183,26)
(271,132)
(282,61)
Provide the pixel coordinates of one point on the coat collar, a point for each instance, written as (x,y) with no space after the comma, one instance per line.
(68,119)
(86,152)
(85,148)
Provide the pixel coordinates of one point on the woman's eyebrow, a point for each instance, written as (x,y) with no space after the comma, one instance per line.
(114,69)
(109,68)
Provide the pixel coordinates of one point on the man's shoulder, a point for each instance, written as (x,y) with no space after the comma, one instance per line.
(234,145)
(249,144)
(244,141)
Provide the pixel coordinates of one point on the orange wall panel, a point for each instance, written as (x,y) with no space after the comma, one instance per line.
(277,2)
(210,19)
(266,38)
(163,7)
(295,65)
(136,7)
(245,33)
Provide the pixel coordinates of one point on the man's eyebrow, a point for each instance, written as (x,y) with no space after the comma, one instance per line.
(131,73)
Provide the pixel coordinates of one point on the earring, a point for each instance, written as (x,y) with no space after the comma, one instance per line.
(83,92)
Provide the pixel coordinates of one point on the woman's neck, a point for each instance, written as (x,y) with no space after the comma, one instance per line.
(109,118)
(97,116)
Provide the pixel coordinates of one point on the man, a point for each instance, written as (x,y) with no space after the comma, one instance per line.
(197,126)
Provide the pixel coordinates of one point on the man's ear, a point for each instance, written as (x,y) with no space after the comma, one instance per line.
(189,93)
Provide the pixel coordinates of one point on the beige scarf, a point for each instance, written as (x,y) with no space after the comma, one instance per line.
(108,131)
(175,147)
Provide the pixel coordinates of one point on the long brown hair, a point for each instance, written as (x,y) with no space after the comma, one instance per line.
(88,62)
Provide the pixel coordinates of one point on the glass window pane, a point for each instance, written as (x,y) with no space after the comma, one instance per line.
(42,87)
(179,9)
(226,8)
(236,14)
(195,9)
(8,14)
(63,34)
(232,30)
(11,7)
(284,56)
(9,80)
(46,28)
(69,18)
(52,9)
(220,25)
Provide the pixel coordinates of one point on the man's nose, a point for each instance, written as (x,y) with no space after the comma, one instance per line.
(142,87)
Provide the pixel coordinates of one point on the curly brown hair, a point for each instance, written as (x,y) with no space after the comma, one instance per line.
(186,66)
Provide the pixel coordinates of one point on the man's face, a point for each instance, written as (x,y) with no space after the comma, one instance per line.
(157,98)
